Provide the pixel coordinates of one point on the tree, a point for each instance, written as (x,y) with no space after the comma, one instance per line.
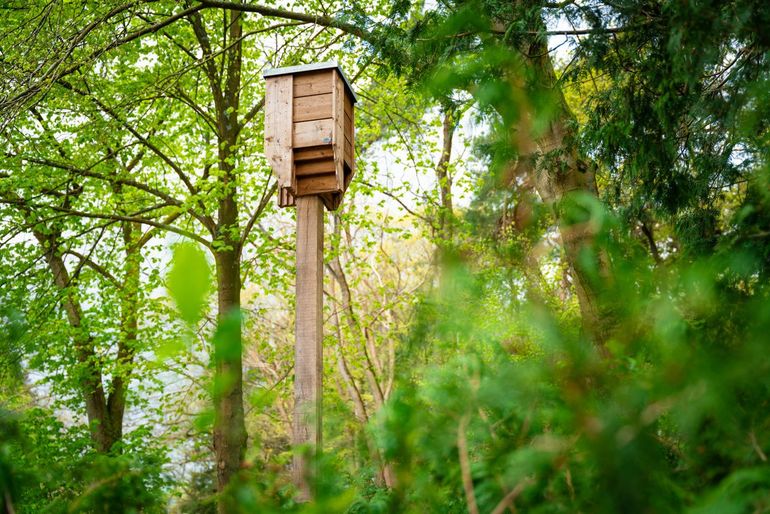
(207,192)
(500,54)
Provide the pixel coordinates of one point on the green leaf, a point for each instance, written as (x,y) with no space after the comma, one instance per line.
(189,281)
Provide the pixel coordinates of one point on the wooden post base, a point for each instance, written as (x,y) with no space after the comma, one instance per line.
(308,363)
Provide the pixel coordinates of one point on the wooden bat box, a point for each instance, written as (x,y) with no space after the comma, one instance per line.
(309,132)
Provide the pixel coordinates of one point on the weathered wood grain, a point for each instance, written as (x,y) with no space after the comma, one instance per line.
(316,107)
(349,157)
(317,184)
(313,83)
(308,363)
(285,198)
(278,128)
(313,133)
(317,167)
(348,105)
(311,153)
(338,134)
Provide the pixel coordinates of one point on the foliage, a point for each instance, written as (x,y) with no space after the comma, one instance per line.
(51,469)
(545,291)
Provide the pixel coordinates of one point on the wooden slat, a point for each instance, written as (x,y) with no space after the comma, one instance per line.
(313,133)
(278,127)
(285,198)
(338,108)
(308,352)
(349,128)
(305,168)
(313,153)
(350,140)
(348,105)
(349,155)
(313,83)
(316,184)
(331,200)
(316,107)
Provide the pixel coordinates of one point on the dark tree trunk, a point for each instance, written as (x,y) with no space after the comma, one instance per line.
(104,412)
(129,326)
(89,372)
(229,426)
(225,83)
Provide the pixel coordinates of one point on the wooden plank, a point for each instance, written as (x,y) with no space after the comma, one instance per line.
(348,105)
(349,129)
(331,200)
(285,198)
(313,133)
(350,134)
(308,354)
(313,83)
(278,128)
(348,176)
(338,137)
(318,167)
(317,184)
(316,107)
(313,153)
(349,155)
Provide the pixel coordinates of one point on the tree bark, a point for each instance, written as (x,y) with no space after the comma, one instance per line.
(559,172)
(229,424)
(104,412)
(445,179)
(90,376)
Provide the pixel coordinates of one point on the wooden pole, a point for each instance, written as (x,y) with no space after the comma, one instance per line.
(308,363)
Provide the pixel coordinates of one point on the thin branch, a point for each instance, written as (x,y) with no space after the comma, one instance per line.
(92,174)
(252,112)
(157,151)
(756,447)
(323,20)
(151,232)
(116,217)
(96,267)
(406,207)
(266,196)
(509,498)
(52,76)
(185,98)
(465,466)
(584,32)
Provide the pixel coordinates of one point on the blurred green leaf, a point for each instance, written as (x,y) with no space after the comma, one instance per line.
(189,281)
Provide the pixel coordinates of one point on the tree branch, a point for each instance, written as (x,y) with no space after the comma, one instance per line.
(266,196)
(116,217)
(509,498)
(323,20)
(96,267)
(465,466)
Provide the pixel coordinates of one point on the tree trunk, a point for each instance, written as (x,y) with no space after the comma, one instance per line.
(373,373)
(229,424)
(559,172)
(90,376)
(445,179)
(129,326)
